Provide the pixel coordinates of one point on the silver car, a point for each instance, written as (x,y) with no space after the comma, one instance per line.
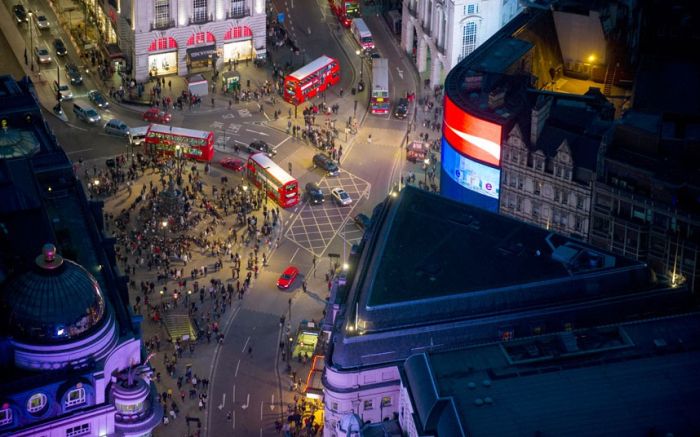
(117,127)
(42,55)
(63,89)
(41,21)
(341,197)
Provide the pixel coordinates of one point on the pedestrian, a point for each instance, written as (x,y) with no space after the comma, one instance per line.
(303,286)
(228,416)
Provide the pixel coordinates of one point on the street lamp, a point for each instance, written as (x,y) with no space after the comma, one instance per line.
(426,161)
(178,155)
(362,63)
(31,41)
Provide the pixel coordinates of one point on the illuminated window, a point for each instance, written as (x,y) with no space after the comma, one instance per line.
(75,397)
(468,39)
(36,403)
(5,416)
(83,429)
(368,405)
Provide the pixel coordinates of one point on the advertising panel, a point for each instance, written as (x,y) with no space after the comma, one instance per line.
(472,136)
(470,174)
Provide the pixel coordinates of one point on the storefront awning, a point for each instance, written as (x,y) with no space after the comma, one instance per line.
(201,53)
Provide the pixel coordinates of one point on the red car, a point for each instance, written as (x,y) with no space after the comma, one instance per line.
(232,164)
(155,115)
(288,276)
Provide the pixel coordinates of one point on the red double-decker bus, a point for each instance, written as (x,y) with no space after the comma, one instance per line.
(277,183)
(311,79)
(345,10)
(188,143)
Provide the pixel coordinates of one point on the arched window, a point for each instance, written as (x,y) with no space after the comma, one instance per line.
(36,403)
(200,38)
(238,32)
(165,43)
(75,397)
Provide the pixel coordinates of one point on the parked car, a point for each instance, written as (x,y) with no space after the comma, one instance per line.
(86,113)
(62,89)
(20,13)
(287,278)
(117,127)
(155,115)
(41,21)
(324,162)
(73,74)
(314,193)
(341,197)
(60,47)
(362,221)
(232,163)
(401,109)
(42,55)
(98,99)
(261,146)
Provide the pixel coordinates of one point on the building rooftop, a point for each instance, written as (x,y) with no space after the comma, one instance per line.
(634,378)
(433,272)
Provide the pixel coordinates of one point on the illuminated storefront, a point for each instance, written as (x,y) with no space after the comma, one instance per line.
(201,51)
(162,57)
(471,158)
(238,44)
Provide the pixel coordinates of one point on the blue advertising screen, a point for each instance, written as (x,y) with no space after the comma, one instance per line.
(468,181)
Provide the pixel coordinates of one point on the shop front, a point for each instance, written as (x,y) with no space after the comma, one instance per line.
(162,57)
(312,406)
(201,57)
(238,44)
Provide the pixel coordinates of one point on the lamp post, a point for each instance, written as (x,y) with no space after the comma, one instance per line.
(358,52)
(426,161)
(163,226)
(178,156)
(31,41)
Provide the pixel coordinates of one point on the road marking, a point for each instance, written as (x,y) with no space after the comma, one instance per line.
(223,402)
(295,254)
(234,394)
(261,410)
(246,344)
(78,151)
(239,142)
(247,402)
(400,72)
(259,133)
(272,402)
(282,142)
(234,419)
(228,116)
(77,127)
(237,365)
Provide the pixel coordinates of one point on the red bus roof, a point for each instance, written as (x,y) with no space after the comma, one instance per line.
(272,168)
(181,131)
(312,67)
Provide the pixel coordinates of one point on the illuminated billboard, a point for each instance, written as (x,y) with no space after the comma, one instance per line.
(470,174)
(472,136)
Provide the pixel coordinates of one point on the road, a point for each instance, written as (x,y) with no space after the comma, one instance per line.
(254,387)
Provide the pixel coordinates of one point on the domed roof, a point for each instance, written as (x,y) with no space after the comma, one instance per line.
(57,300)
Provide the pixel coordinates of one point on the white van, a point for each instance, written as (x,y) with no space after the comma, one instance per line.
(362,34)
(137,135)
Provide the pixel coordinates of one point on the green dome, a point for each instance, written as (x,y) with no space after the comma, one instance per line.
(56,301)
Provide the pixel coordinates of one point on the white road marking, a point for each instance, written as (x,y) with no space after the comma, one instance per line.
(228,116)
(237,365)
(281,142)
(78,151)
(400,72)
(261,410)
(256,132)
(247,402)
(295,254)
(77,127)
(272,402)
(246,344)
(223,402)
(234,394)
(234,419)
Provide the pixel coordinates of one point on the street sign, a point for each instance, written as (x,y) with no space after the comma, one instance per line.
(280,17)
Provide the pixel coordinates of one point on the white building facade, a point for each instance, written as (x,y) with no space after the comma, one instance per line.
(440,33)
(166,37)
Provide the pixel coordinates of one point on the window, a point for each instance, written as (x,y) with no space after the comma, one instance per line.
(5,416)
(520,183)
(539,164)
(129,408)
(334,406)
(200,11)
(237,8)
(557,171)
(578,224)
(162,12)
(579,201)
(386,401)
(36,403)
(75,397)
(83,429)
(519,204)
(471,9)
(368,405)
(537,188)
(468,39)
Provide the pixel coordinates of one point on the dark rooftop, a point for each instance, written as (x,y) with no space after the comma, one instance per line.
(619,380)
